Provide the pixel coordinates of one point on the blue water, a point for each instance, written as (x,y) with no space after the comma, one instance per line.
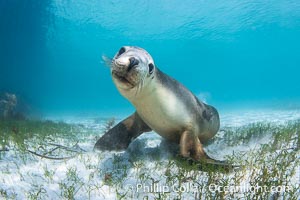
(230,53)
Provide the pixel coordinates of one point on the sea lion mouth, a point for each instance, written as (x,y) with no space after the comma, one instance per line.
(122,78)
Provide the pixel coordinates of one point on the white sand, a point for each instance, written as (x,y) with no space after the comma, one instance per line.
(21,178)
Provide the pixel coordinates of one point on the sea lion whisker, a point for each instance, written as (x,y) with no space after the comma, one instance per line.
(107,61)
(140,85)
(143,82)
(137,89)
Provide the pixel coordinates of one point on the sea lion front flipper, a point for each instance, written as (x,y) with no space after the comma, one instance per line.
(120,136)
(192,150)
(190,146)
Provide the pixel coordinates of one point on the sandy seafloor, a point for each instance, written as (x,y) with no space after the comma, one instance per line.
(22,178)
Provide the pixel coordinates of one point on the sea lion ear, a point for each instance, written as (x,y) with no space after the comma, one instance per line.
(151,67)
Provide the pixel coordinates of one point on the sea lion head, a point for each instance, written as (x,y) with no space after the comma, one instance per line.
(132,68)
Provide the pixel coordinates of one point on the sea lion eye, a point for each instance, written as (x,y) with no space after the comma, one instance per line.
(121,51)
(151,67)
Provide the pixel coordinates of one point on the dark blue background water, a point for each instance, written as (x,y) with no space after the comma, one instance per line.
(231,53)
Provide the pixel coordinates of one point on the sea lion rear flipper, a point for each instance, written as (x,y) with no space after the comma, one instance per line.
(120,136)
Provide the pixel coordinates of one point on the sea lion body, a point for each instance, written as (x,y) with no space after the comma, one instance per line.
(168,108)
(162,104)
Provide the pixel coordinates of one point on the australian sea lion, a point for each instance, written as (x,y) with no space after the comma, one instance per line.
(162,105)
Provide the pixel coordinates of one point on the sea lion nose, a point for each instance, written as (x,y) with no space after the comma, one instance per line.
(132,63)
